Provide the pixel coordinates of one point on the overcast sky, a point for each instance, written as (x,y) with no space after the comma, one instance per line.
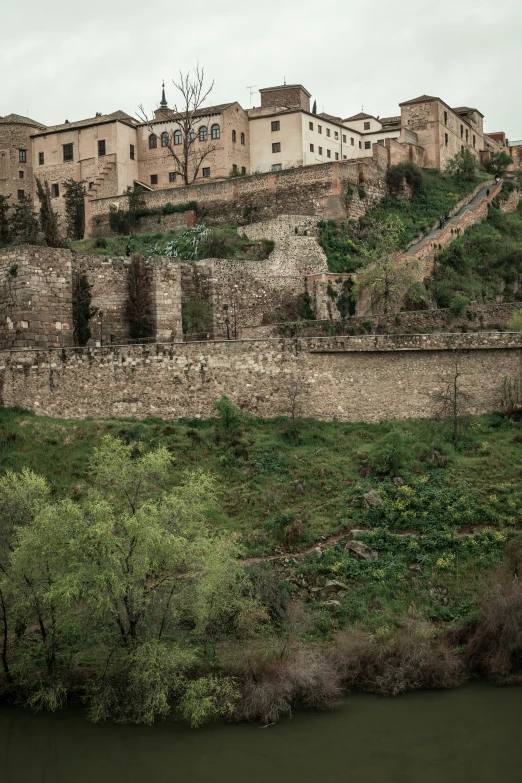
(64,60)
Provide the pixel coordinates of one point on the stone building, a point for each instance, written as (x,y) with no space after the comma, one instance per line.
(16,159)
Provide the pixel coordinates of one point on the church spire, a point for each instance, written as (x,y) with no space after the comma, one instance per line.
(163,104)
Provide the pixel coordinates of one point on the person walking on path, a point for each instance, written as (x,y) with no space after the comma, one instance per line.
(487,192)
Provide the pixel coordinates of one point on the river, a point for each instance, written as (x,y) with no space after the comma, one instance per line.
(469,735)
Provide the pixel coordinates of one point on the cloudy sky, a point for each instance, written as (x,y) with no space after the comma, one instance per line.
(63,60)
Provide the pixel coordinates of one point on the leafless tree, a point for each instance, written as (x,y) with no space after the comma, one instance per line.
(294,395)
(453,400)
(190,141)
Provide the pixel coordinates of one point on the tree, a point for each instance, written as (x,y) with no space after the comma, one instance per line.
(463,166)
(194,145)
(129,585)
(139,305)
(82,309)
(314,108)
(196,315)
(24,223)
(499,162)
(48,217)
(387,282)
(453,400)
(74,198)
(5,234)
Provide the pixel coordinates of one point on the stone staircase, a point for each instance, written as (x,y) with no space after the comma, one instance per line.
(109,168)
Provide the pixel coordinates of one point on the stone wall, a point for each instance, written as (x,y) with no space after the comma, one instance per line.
(149,224)
(370,378)
(310,190)
(13,138)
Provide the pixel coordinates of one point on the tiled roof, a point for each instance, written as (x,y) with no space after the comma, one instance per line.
(114,117)
(466,110)
(390,120)
(330,117)
(17,119)
(286,87)
(203,112)
(421,99)
(360,116)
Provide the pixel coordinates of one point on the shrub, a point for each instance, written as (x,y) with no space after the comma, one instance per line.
(458,304)
(408,173)
(515,322)
(389,454)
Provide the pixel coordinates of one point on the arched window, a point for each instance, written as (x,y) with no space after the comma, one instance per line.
(191,135)
(203,133)
(164,139)
(215,132)
(242,138)
(177,137)
(153,142)
(234,136)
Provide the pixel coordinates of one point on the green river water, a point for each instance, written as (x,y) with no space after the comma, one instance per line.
(470,735)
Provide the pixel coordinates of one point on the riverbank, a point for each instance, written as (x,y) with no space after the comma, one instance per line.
(378,558)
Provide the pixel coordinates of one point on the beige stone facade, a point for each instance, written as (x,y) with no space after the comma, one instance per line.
(16,161)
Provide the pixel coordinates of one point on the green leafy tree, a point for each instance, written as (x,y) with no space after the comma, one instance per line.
(5,233)
(314,108)
(139,304)
(499,162)
(48,217)
(83,310)
(23,222)
(463,166)
(74,198)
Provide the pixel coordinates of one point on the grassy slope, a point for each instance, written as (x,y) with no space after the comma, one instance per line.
(479,263)
(343,243)
(278,491)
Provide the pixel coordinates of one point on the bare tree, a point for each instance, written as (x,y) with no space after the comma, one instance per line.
(294,395)
(190,141)
(453,399)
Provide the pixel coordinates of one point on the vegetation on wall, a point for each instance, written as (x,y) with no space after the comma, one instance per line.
(74,200)
(483,263)
(350,245)
(48,217)
(405,173)
(139,300)
(82,309)
(196,316)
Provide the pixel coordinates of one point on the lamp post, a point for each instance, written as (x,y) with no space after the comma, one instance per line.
(227,322)
(235,320)
(100,316)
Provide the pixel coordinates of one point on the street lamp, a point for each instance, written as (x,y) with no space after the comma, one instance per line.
(100,316)
(235,320)
(227,322)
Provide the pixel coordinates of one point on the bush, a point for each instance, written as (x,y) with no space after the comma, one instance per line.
(408,173)
(458,304)
(515,322)
(389,454)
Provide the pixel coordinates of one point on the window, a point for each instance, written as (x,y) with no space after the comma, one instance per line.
(41,158)
(243,170)
(234,168)
(206,172)
(360,145)
(366,126)
(177,137)
(68,153)
(215,132)
(277,166)
(172,176)
(21,195)
(22,156)
(328,153)
(276,147)
(203,133)
(467,135)
(344,138)
(164,139)
(132,153)
(461,131)
(352,141)
(344,157)
(242,138)
(319,129)
(55,190)
(336,156)
(311,148)
(91,185)
(381,142)
(153,142)
(191,135)
(446,139)
(445,118)
(101,148)
(336,134)
(233,136)
(320,150)
(474,140)
(20,175)
(153,179)
(276,125)
(367,145)
(310,126)
(328,132)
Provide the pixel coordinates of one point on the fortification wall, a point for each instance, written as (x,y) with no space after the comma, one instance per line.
(348,379)
(310,190)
